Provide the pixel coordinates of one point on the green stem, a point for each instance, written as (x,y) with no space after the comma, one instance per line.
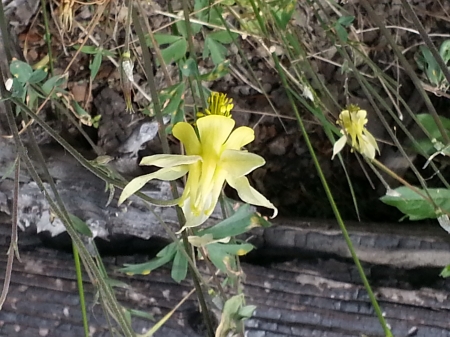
(190,40)
(148,66)
(47,36)
(59,209)
(76,258)
(345,234)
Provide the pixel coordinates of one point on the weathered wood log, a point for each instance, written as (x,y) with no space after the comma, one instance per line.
(317,294)
(304,297)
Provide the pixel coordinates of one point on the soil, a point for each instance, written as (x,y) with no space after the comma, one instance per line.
(289,179)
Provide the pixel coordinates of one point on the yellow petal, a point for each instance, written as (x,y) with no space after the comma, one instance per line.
(201,241)
(169,160)
(168,173)
(239,163)
(248,194)
(214,131)
(361,115)
(239,138)
(371,139)
(186,134)
(193,217)
(339,145)
(366,147)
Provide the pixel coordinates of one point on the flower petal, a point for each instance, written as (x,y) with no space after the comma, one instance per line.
(249,194)
(214,131)
(371,139)
(239,163)
(169,160)
(193,217)
(366,146)
(339,145)
(185,133)
(239,138)
(168,173)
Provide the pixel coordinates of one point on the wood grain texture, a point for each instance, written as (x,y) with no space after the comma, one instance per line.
(303,297)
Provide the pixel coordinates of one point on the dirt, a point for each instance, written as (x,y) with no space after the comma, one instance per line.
(289,179)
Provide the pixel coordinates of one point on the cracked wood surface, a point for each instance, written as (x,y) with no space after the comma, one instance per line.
(303,297)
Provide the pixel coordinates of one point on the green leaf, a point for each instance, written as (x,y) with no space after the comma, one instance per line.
(176,103)
(54,82)
(414,206)
(223,36)
(87,49)
(445,272)
(247,311)
(346,21)
(37,76)
(427,121)
(341,32)
(82,114)
(21,71)
(172,98)
(222,255)
(219,71)
(18,89)
(180,266)
(236,249)
(188,68)
(218,256)
(432,69)
(174,51)
(215,49)
(181,26)
(444,51)
(283,14)
(229,313)
(80,226)
(201,9)
(95,65)
(162,39)
(164,256)
(240,222)
(32,96)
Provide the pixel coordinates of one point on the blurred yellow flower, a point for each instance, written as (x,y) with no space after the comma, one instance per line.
(353,123)
(213,157)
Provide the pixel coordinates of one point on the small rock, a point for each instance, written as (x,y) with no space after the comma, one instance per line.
(278,146)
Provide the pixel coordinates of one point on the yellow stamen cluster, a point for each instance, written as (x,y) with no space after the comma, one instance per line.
(218,104)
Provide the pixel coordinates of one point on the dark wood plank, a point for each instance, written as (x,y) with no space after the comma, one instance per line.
(304,297)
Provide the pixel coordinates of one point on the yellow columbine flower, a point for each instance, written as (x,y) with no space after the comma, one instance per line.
(213,157)
(218,104)
(353,122)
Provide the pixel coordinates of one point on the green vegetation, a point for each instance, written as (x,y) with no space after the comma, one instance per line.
(200,42)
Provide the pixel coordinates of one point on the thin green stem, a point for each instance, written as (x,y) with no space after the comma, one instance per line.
(76,258)
(148,67)
(47,35)
(61,212)
(408,68)
(190,40)
(345,234)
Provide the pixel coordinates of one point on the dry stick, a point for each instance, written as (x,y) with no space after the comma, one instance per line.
(408,68)
(113,61)
(427,40)
(157,49)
